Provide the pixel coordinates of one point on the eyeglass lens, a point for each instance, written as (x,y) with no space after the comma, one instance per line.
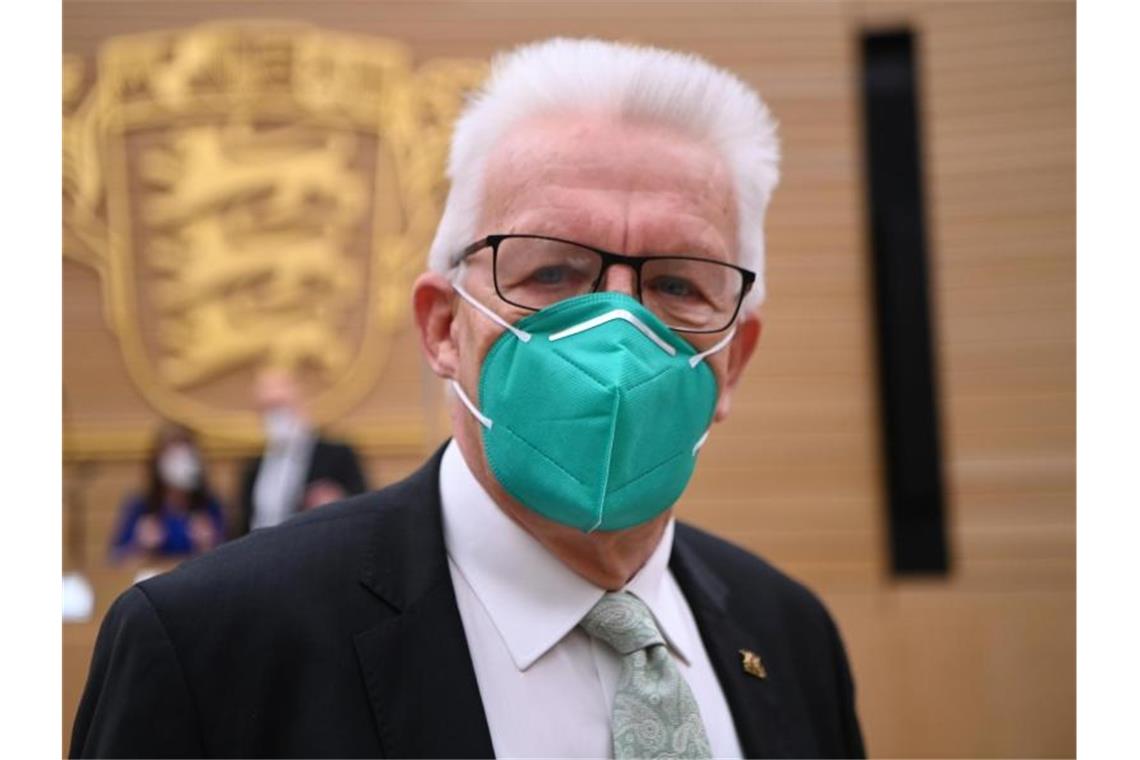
(686,294)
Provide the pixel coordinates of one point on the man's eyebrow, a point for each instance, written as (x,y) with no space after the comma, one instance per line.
(699,249)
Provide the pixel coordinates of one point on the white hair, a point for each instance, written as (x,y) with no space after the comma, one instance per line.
(664,87)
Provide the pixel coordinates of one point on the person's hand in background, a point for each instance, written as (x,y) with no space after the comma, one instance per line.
(203,533)
(323,492)
(149,533)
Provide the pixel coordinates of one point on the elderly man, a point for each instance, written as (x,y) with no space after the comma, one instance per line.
(528,592)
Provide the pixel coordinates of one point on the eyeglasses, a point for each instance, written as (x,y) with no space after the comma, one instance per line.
(688,293)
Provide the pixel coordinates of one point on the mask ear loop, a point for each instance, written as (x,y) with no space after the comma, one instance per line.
(484,420)
(698,358)
(701,442)
(522,335)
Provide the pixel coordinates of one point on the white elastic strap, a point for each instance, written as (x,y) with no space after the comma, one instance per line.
(694,361)
(700,443)
(484,420)
(522,335)
(590,324)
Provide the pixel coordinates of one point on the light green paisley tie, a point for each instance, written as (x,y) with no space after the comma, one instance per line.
(655,714)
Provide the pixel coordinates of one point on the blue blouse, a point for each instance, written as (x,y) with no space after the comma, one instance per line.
(176,526)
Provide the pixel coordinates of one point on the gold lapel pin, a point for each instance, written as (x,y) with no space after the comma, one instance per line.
(752,664)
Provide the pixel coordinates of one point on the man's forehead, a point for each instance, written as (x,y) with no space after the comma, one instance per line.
(593,145)
(592,173)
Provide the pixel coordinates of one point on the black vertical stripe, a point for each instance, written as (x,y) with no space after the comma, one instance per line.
(906,360)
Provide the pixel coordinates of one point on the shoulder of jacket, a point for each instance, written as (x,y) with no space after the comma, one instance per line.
(748,575)
(306,552)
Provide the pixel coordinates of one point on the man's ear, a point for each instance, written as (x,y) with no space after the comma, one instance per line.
(432,303)
(739,352)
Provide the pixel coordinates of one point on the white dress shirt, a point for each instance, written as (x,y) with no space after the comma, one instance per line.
(281,480)
(547,687)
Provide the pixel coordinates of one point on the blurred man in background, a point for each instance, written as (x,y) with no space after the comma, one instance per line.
(527,593)
(299,468)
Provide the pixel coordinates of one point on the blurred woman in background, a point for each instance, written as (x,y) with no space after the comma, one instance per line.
(177,516)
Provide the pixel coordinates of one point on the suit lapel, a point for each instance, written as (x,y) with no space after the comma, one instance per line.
(416,664)
(755,703)
(419,676)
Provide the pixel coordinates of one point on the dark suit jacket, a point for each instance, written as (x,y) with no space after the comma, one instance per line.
(337,634)
(331,460)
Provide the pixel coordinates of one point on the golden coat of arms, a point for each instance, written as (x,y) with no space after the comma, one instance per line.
(255,194)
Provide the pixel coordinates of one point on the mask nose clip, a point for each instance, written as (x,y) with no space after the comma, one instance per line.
(624,314)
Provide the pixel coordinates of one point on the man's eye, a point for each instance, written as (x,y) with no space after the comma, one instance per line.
(554,275)
(674,287)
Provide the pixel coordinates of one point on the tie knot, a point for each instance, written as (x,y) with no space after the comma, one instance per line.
(622,621)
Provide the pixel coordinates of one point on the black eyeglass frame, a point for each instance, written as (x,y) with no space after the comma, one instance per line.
(608,259)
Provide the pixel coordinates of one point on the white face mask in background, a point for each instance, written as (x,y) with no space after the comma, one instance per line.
(179,468)
(281,425)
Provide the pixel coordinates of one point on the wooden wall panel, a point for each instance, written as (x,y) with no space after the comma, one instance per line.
(979,664)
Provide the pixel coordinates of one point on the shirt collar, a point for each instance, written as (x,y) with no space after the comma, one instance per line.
(532,598)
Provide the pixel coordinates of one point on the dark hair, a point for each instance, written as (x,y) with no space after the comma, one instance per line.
(168,434)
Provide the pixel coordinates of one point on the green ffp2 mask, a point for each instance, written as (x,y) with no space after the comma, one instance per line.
(593,410)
